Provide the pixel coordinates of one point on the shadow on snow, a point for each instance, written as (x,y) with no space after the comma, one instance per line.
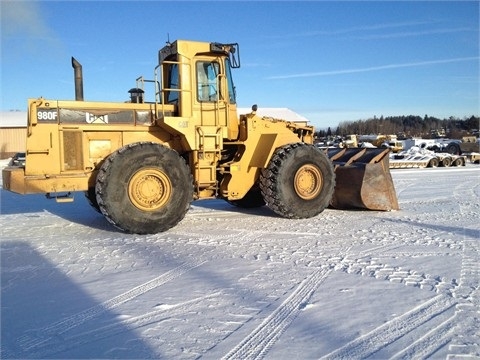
(80,212)
(37,300)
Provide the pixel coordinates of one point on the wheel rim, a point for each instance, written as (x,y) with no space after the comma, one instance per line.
(149,189)
(308,182)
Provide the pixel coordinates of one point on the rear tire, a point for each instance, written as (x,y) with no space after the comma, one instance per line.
(144,188)
(298,182)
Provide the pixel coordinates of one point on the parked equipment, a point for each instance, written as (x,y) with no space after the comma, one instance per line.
(421,158)
(468,144)
(469,147)
(142,163)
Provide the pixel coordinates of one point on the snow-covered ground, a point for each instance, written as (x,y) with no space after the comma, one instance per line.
(247,284)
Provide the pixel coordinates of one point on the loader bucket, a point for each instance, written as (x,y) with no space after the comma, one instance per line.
(363,179)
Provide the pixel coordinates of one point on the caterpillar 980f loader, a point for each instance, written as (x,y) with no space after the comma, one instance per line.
(142,163)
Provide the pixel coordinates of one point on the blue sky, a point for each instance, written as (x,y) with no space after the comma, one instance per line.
(328,61)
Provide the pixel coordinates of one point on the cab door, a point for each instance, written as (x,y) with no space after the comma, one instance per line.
(214,102)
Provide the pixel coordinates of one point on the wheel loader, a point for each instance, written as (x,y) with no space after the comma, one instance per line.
(141,163)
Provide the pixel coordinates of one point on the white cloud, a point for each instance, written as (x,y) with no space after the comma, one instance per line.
(24,27)
(355,30)
(373,68)
(22,17)
(414,33)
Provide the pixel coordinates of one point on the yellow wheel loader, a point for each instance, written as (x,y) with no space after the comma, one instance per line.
(141,163)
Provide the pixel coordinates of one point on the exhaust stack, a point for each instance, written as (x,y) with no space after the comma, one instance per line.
(78,79)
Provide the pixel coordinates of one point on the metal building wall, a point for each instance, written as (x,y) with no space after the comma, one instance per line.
(12,140)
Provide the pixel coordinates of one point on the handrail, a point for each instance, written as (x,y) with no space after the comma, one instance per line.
(223,99)
(32,117)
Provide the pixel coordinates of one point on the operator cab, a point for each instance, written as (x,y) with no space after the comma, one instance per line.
(196,78)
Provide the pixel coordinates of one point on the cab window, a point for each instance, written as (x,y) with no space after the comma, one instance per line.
(207,81)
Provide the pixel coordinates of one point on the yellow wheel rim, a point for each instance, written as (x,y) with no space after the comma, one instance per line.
(149,189)
(308,182)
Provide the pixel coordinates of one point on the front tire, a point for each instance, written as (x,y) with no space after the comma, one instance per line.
(298,182)
(144,188)
(91,196)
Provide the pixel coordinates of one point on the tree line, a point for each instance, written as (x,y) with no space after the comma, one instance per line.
(407,127)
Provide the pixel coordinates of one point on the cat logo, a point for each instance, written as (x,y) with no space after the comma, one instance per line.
(96,119)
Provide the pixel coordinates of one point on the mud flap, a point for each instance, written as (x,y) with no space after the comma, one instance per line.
(363,179)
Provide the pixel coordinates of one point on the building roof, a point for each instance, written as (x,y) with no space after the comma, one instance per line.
(11,119)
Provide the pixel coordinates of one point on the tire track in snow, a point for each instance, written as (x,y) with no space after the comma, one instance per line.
(239,237)
(41,336)
(384,335)
(259,342)
(467,309)
(427,345)
(382,248)
(364,263)
(465,341)
(374,268)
